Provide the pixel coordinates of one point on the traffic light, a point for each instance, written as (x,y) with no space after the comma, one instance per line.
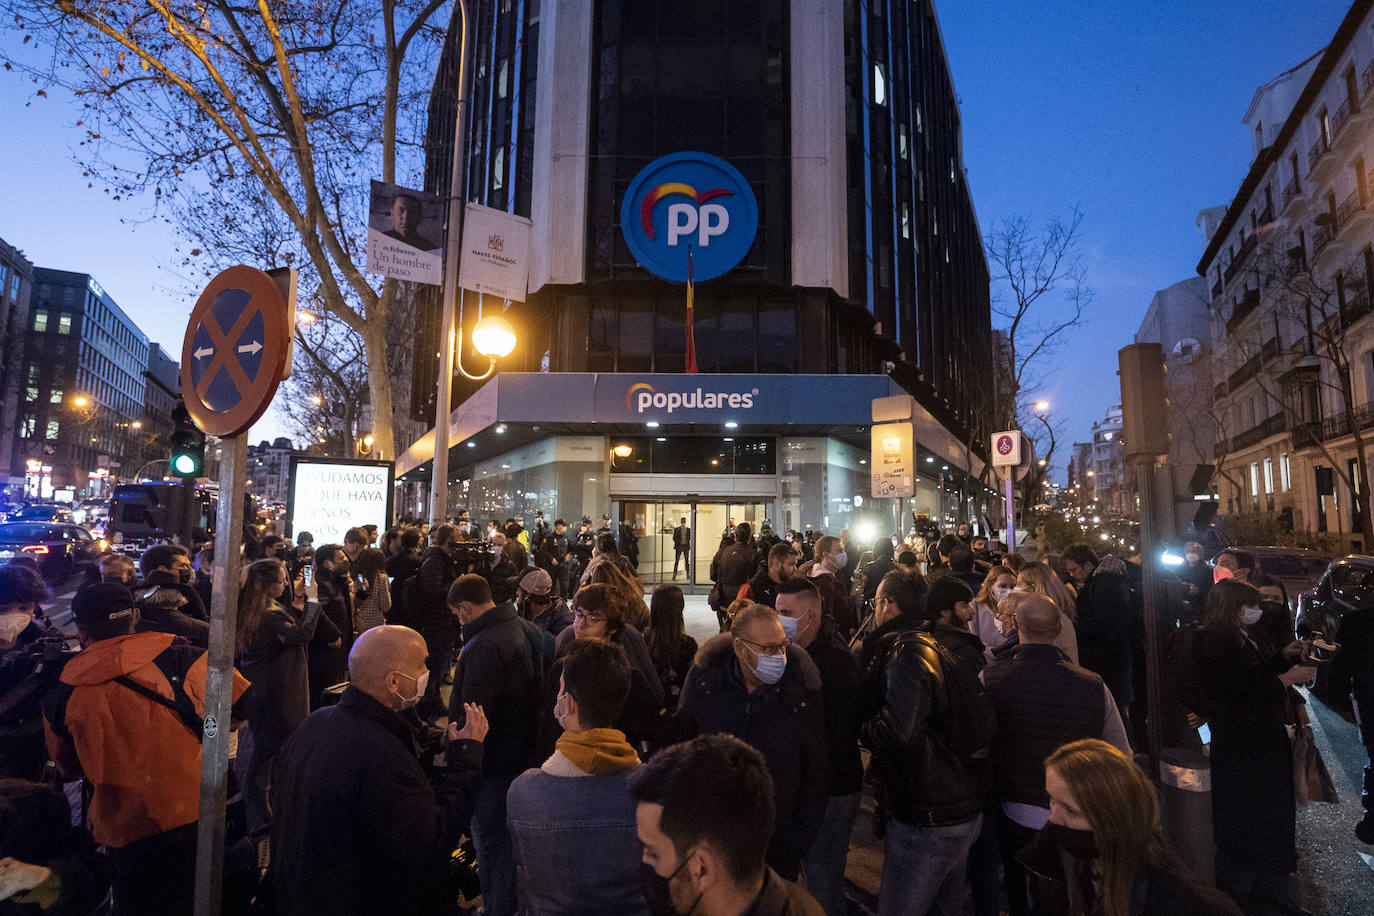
(188,444)
(1144,402)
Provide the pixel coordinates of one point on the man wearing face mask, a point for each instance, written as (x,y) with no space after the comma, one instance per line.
(1196,577)
(705,812)
(579,799)
(751,682)
(357,827)
(167,599)
(331,644)
(432,617)
(1041,702)
(501,668)
(26,675)
(168,566)
(801,614)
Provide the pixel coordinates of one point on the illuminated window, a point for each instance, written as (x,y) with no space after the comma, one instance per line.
(64,324)
(40,321)
(52,431)
(1285,479)
(879,85)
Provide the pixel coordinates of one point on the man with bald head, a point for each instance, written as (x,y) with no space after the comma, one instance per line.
(357,826)
(1042,701)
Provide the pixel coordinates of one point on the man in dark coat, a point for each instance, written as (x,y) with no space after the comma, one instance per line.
(28,671)
(168,566)
(801,613)
(554,556)
(732,566)
(763,587)
(501,669)
(332,641)
(400,566)
(357,827)
(751,683)
(1103,622)
(432,618)
(682,547)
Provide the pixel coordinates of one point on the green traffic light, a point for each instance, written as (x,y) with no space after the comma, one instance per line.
(184,464)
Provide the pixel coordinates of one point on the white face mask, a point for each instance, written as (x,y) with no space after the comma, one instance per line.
(12,624)
(561,710)
(1250,615)
(841,560)
(1000,592)
(421,683)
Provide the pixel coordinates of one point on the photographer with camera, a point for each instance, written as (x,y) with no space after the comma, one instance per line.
(31,659)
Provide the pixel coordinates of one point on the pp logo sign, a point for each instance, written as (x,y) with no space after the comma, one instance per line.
(689,201)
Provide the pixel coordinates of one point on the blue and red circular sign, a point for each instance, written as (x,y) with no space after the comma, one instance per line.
(689,202)
(1005,445)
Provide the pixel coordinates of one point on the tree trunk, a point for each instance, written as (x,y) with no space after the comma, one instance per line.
(379,390)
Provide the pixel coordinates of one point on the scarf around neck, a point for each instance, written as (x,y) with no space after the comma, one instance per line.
(596,751)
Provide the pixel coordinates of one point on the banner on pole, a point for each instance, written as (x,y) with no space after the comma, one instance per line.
(496,248)
(405,232)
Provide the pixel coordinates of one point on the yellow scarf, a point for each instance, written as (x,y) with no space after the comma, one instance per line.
(597,750)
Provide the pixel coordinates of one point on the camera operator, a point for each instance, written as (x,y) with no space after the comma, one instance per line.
(31,659)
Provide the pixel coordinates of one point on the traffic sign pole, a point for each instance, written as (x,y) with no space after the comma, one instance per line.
(219,681)
(232,360)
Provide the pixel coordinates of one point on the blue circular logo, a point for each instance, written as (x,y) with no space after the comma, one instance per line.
(689,202)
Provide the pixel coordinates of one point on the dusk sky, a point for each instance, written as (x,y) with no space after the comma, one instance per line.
(1130,111)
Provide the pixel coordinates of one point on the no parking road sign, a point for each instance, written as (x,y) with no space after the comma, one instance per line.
(235,351)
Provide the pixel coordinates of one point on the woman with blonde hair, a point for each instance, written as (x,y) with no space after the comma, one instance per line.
(999,583)
(1103,852)
(1039,579)
(630,588)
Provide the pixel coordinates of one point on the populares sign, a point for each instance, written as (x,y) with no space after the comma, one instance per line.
(685,202)
(329,496)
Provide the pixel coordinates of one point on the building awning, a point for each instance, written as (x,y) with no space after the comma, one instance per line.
(620,403)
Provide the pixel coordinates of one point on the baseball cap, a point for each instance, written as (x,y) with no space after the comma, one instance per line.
(102,603)
(536,582)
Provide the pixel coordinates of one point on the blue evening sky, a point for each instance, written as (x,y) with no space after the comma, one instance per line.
(1130,110)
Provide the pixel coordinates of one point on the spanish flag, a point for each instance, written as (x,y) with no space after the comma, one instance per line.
(691,337)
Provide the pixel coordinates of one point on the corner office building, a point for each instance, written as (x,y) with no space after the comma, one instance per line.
(855,245)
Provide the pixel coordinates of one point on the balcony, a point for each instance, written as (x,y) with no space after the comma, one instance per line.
(1341,117)
(1321,237)
(1246,248)
(1292,192)
(1315,154)
(1216,290)
(1367,78)
(1356,302)
(1247,304)
(1219,391)
(1270,427)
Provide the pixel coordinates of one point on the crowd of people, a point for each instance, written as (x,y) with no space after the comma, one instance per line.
(591,757)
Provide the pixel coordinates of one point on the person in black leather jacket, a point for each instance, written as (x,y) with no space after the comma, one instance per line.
(933,802)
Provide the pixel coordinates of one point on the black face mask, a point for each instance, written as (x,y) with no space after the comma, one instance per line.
(657,892)
(1078,843)
(1273,608)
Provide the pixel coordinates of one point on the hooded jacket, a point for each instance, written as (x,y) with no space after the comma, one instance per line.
(141,760)
(784,721)
(163,607)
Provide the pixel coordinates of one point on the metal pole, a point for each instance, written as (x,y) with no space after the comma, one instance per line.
(1154,598)
(219,680)
(438,487)
(1010,499)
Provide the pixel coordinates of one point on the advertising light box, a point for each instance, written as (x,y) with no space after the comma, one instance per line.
(330,495)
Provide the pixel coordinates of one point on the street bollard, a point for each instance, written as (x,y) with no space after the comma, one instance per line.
(1185,779)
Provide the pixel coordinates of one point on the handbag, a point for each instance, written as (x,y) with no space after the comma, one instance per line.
(1311,779)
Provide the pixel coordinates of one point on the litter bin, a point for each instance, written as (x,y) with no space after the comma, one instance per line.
(1185,779)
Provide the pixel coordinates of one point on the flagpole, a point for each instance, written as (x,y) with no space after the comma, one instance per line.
(691,362)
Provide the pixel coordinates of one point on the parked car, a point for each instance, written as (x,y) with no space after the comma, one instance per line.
(41,513)
(59,550)
(1296,568)
(1347,586)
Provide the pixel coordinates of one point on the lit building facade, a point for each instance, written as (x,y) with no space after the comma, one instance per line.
(864,275)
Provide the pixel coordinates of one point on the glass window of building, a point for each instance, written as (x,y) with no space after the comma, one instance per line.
(55,397)
(52,430)
(64,324)
(40,321)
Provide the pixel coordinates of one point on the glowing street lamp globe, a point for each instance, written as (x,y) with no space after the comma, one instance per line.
(493,337)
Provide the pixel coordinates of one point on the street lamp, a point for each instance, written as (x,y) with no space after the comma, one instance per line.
(492,337)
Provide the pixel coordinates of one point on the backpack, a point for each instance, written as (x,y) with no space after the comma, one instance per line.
(1183,667)
(969,721)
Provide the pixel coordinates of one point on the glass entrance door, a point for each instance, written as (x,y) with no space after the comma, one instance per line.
(678,539)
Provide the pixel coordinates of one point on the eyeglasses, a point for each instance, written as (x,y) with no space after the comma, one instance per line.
(777,648)
(579,614)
